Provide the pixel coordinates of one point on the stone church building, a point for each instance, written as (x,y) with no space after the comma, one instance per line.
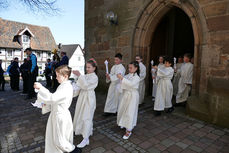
(167,27)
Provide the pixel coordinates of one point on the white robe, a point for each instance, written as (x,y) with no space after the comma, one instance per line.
(59,129)
(128,110)
(153,72)
(86,105)
(141,88)
(176,78)
(155,81)
(186,75)
(164,89)
(114,91)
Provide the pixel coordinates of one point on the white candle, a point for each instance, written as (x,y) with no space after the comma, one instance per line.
(106,64)
(175,66)
(152,62)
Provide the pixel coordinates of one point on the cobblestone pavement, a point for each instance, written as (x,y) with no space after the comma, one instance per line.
(22,129)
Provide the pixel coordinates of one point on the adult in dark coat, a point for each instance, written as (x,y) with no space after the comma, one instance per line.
(64,61)
(15,75)
(48,73)
(24,69)
(33,73)
(2,79)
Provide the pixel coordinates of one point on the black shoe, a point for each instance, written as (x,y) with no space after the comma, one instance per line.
(157,113)
(76,150)
(170,110)
(107,114)
(153,99)
(183,104)
(177,105)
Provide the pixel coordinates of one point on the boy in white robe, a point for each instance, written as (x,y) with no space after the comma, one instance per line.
(160,65)
(142,74)
(59,130)
(164,87)
(177,75)
(185,81)
(128,110)
(86,102)
(114,92)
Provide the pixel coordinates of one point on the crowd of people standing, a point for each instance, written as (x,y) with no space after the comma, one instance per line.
(28,71)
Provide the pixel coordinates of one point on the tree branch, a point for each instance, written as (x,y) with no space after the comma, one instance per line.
(46,6)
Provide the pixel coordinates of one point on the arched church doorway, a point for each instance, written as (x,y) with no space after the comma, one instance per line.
(169,28)
(173,36)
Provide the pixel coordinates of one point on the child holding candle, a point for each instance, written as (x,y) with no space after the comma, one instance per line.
(113,96)
(86,103)
(128,110)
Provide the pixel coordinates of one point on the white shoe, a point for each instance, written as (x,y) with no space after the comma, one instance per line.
(125,137)
(83,143)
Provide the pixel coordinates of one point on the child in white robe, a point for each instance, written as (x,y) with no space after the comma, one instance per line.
(86,102)
(164,87)
(185,81)
(128,110)
(142,74)
(177,75)
(59,129)
(155,78)
(113,96)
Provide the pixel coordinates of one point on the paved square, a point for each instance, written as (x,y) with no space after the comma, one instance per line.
(22,129)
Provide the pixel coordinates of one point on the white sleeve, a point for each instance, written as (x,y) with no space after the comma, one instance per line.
(50,98)
(87,84)
(142,72)
(163,72)
(189,74)
(76,89)
(114,77)
(128,85)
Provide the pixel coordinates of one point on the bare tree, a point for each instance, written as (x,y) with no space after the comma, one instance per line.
(3,4)
(46,6)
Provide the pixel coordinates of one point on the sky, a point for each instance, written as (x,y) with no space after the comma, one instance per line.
(67,27)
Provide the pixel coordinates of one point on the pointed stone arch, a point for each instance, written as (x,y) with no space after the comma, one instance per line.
(149,19)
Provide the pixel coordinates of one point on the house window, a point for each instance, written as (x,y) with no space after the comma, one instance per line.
(25,38)
(2,51)
(9,53)
(49,55)
(78,58)
(38,54)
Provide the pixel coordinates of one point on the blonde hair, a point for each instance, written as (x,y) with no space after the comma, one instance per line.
(64,70)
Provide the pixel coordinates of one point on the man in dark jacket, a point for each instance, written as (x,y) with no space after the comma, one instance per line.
(48,73)
(64,59)
(33,73)
(2,79)
(15,75)
(24,69)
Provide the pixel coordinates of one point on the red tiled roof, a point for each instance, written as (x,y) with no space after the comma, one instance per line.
(42,40)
